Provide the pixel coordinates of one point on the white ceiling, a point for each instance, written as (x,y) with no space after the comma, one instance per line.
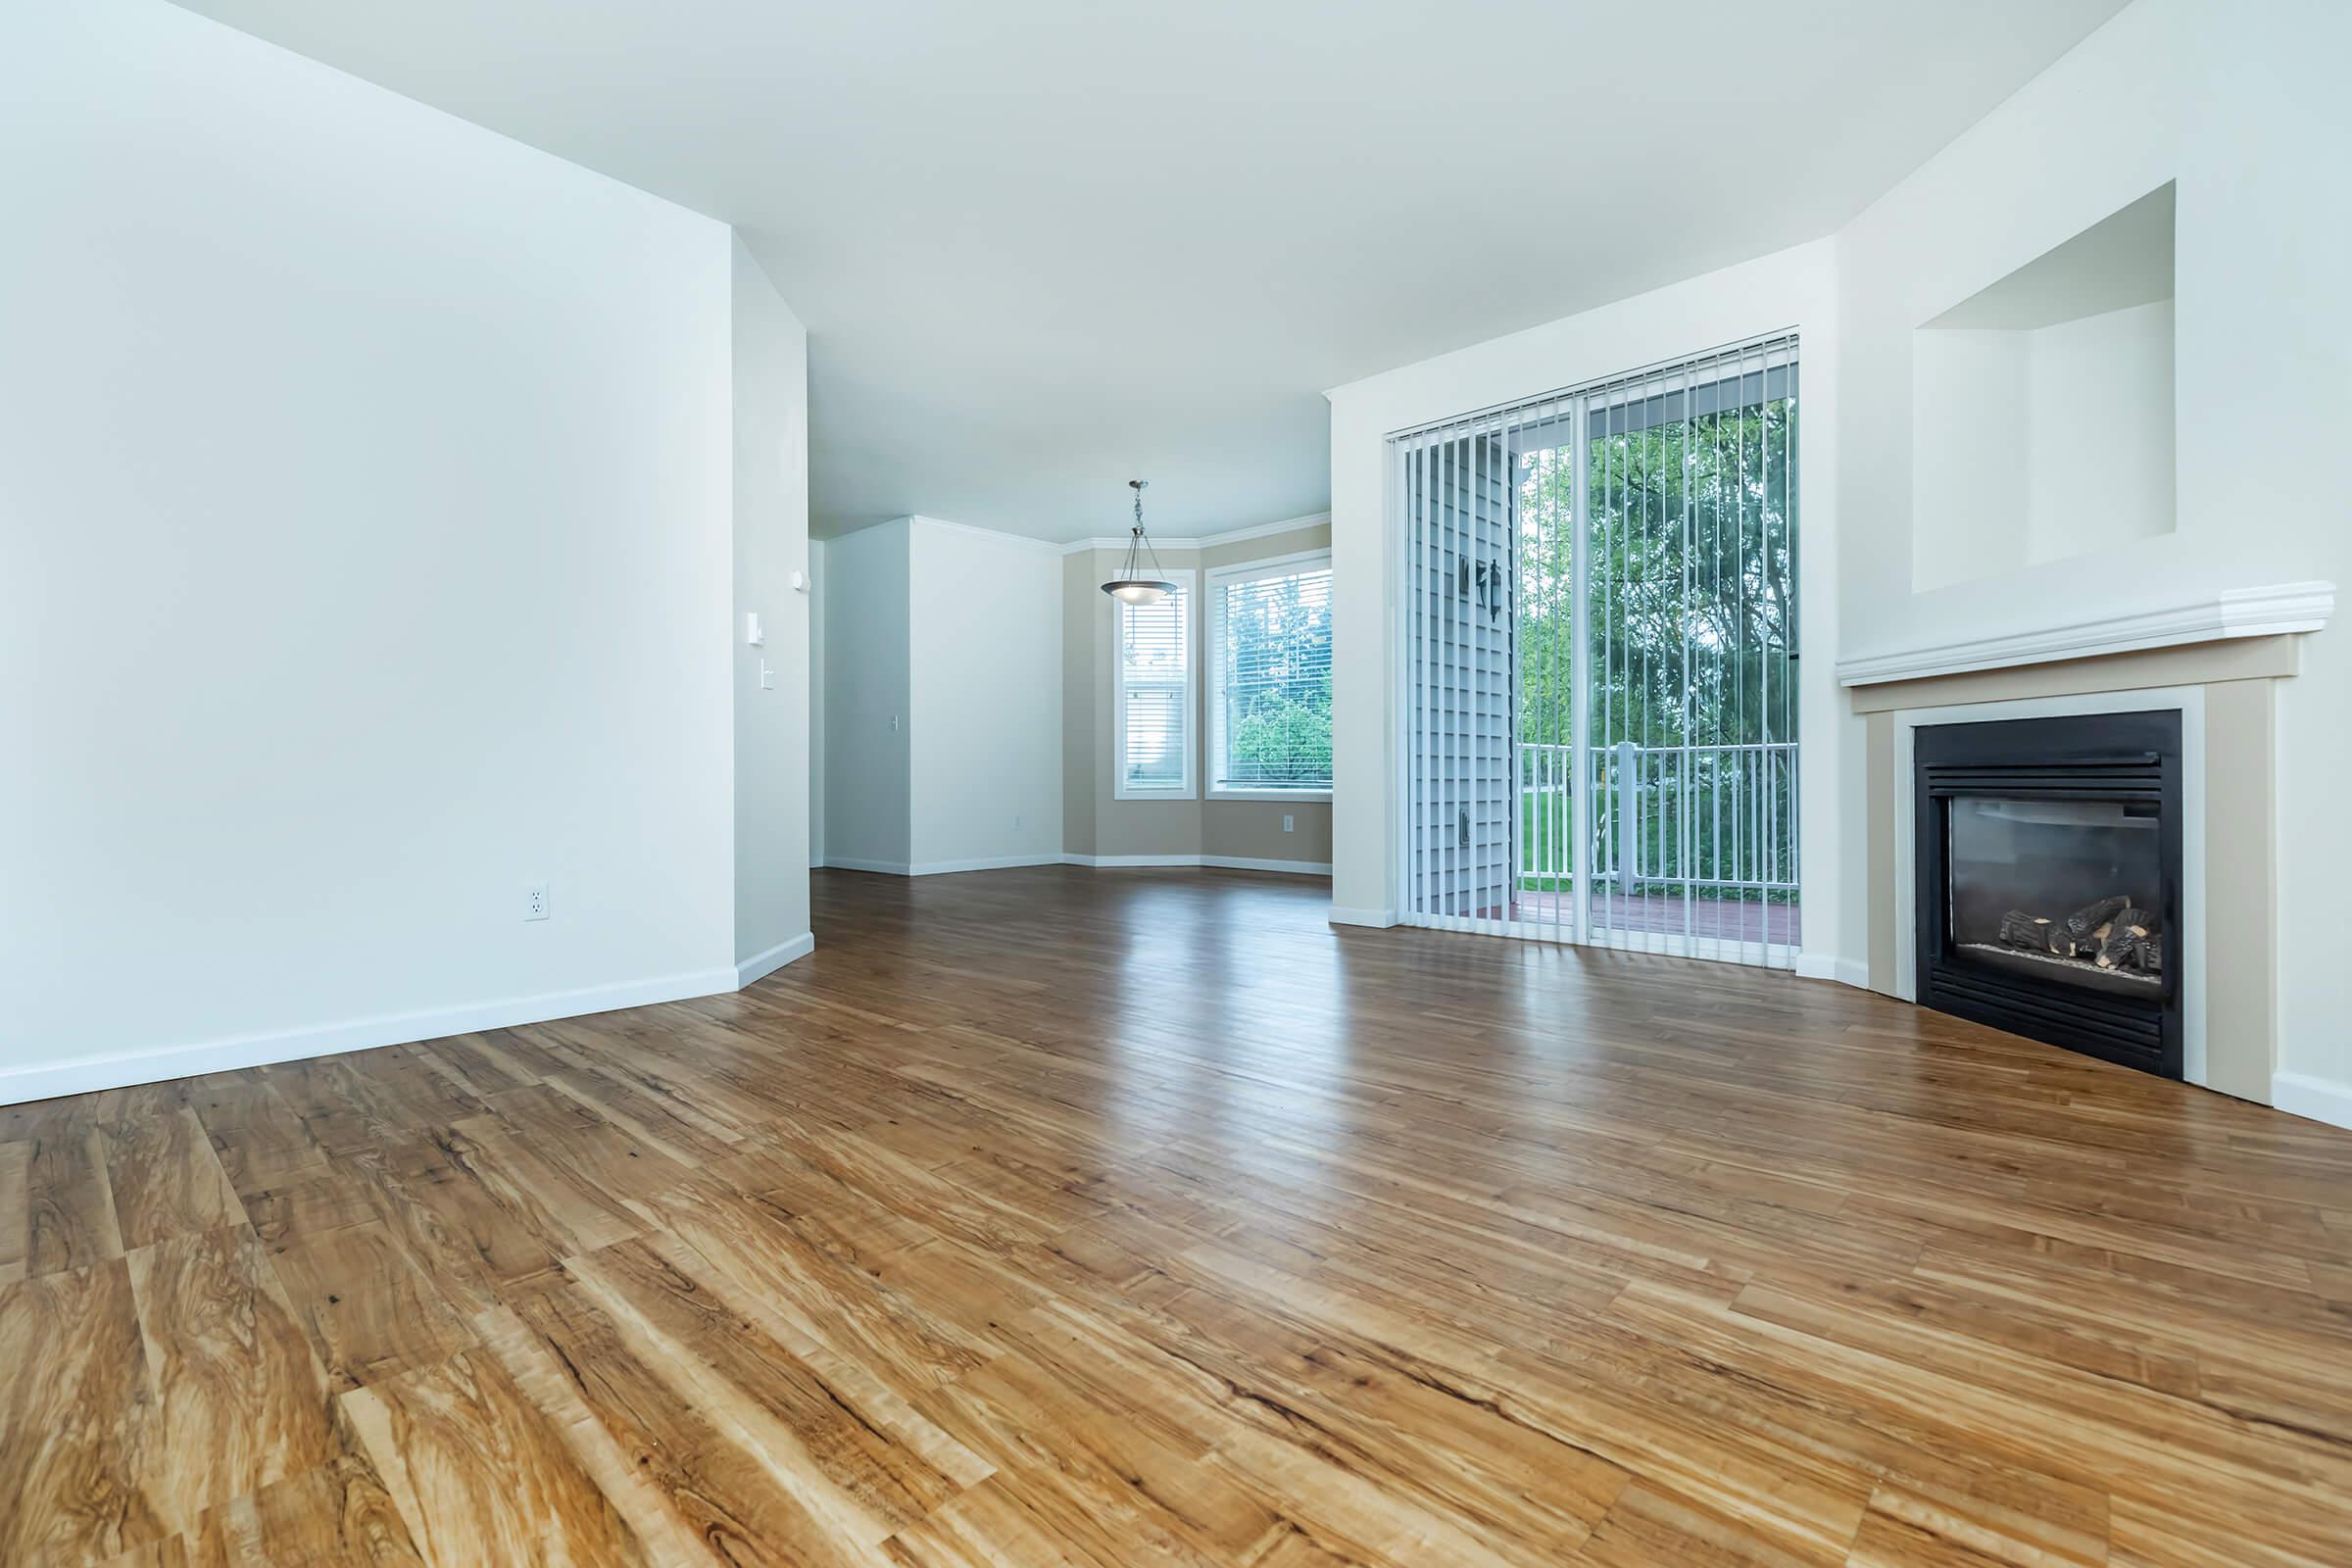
(1042,246)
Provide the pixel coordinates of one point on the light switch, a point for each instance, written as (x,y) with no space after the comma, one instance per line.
(767,678)
(755,630)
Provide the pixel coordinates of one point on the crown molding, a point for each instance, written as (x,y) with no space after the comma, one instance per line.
(1208,541)
(2292,607)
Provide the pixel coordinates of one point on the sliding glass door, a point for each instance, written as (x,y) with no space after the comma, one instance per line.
(1599,683)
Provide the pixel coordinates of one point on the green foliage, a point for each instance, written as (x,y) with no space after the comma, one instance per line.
(1284,738)
(1277,685)
(1691,601)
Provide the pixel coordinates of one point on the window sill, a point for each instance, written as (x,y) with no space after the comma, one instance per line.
(1310,796)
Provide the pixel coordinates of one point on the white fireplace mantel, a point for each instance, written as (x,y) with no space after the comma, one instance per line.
(2292,607)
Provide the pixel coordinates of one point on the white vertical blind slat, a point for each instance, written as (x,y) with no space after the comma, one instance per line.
(1644,524)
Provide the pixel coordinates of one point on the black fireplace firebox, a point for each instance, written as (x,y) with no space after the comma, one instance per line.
(2049,880)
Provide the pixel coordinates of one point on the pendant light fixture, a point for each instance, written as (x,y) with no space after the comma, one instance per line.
(1134,585)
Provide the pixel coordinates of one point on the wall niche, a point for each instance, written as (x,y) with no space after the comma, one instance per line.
(2042,408)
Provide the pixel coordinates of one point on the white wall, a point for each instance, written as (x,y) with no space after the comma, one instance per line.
(365,505)
(867,823)
(2099,458)
(771,542)
(1791,288)
(2242,107)
(958,633)
(2033,446)
(816,702)
(1971,395)
(986,664)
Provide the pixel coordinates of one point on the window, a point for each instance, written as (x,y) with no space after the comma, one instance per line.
(1269,641)
(1153,707)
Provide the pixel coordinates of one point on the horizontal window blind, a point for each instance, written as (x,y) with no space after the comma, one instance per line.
(1273,649)
(1155,667)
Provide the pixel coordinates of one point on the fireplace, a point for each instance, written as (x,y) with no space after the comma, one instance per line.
(2048,881)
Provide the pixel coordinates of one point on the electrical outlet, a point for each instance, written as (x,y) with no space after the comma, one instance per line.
(534,901)
(1289,821)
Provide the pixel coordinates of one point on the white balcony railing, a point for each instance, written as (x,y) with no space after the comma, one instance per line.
(1711,819)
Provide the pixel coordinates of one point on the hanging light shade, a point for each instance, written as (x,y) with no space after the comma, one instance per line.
(1135,583)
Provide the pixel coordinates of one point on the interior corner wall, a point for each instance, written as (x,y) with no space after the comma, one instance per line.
(1083,671)
(869,786)
(771,542)
(816,702)
(986,699)
(368,530)
(2241,107)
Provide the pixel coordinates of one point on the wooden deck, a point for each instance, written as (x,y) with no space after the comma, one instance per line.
(1628,917)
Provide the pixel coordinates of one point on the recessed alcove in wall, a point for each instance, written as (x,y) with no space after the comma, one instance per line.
(2043,406)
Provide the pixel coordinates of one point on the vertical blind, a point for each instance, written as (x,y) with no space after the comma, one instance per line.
(1600,687)
(1273,647)
(1154,663)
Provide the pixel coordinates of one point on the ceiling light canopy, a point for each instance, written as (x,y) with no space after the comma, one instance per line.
(1134,585)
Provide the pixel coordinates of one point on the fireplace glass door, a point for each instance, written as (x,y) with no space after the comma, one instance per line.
(2065,890)
(2048,880)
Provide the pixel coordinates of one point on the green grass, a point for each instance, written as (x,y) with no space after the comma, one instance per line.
(1547,840)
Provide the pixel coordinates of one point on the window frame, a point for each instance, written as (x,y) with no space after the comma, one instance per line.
(1186,580)
(1212,732)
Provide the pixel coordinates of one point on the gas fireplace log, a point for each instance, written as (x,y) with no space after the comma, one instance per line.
(2022,930)
(2124,934)
(2083,922)
(2065,946)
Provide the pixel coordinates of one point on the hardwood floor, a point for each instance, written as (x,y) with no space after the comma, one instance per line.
(1064,1216)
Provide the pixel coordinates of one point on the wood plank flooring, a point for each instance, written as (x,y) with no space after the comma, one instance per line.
(1062,1216)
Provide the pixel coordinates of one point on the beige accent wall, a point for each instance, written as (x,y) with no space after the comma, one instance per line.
(1883,796)
(2239,678)
(1095,821)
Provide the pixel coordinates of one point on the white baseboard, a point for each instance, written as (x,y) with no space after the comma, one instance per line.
(774,958)
(1828,966)
(1002,862)
(1340,915)
(1005,862)
(1229,863)
(357,1034)
(1237,862)
(2319,1099)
